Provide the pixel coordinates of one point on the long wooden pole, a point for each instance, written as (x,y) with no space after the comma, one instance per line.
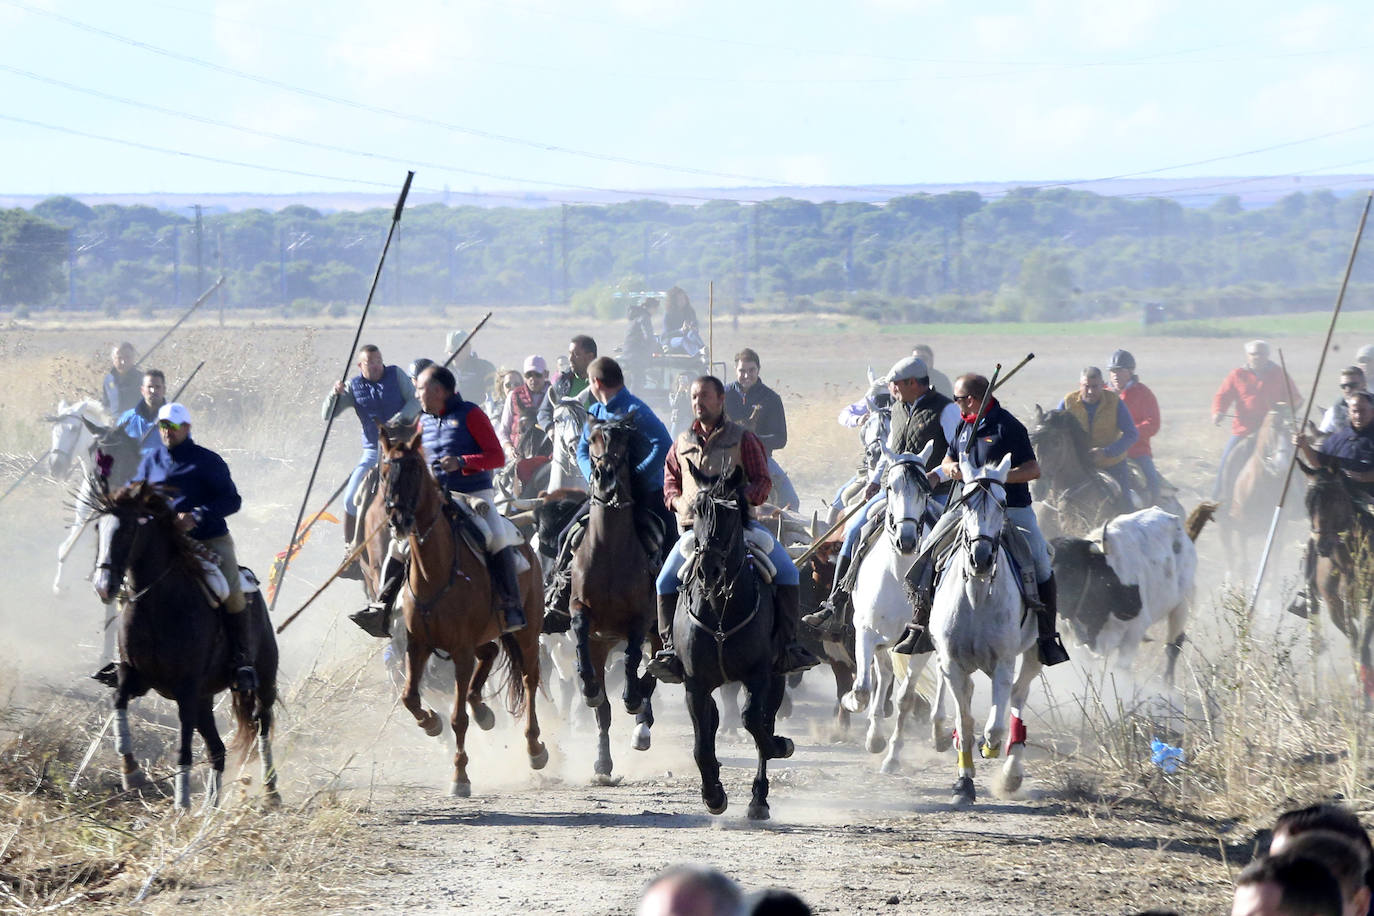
(466,340)
(1307,408)
(348,365)
(352,555)
(204,297)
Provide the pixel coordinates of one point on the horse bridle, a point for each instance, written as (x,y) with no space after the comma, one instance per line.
(726,589)
(143,517)
(606,464)
(893,524)
(973,487)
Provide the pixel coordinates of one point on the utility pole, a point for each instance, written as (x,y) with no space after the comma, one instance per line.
(200,252)
(176,265)
(219,271)
(548,244)
(71,268)
(563,248)
(281,233)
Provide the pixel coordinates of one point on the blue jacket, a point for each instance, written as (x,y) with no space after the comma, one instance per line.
(999,434)
(199,483)
(462,431)
(649,451)
(141,426)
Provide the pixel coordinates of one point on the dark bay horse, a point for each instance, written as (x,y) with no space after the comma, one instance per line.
(1072,496)
(613,591)
(447,605)
(1252,487)
(172,639)
(1340,562)
(724,632)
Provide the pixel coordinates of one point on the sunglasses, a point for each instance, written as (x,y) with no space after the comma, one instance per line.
(168,424)
(1350,386)
(963,397)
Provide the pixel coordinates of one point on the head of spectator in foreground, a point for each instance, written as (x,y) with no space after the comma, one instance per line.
(1324,817)
(1346,859)
(690,890)
(606,378)
(1287,885)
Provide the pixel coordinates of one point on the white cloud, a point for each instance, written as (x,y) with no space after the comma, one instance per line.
(1308,28)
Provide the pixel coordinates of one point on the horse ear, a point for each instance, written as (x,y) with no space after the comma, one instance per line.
(815,525)
(701,479)
(415,438)
(737,478)
(1003,467)
(926,453)
(1039,415)
(888,453)
(95,428)
(383,438)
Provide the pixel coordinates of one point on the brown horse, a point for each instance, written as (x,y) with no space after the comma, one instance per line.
(1253,485)
(1340,560)
(446,605)
(1072,495)
(613,591)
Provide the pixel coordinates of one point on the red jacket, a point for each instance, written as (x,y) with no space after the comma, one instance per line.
(1253,395)
(1144,409)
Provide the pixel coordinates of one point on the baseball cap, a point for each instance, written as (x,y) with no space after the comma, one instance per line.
(913,367)
(536,364)
(174,413)
(455,339)
(1366,353)
(1257,347)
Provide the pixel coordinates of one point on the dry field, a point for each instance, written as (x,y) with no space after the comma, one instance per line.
(365,825)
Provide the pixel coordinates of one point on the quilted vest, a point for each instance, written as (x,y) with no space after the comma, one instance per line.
(716,455)
(376,402)
(1101,427)
(911,431)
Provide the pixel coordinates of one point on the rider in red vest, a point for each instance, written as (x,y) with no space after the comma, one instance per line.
(1253,390)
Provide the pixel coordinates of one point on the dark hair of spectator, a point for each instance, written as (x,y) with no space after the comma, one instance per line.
(606,371)
(584,343)
(748,356)
(713,382)
(1305,885)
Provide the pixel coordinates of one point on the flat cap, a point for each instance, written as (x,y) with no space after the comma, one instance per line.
(912,367)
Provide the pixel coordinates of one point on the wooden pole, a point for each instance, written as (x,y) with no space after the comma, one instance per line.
(348,364)
(1307,408)
(184,315)
(352,555)
(466,340)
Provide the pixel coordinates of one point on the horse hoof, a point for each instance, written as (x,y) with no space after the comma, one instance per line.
(890,767)
(875,744)
(460,789)
(540,760)
(854,701)
(641,738)
(716,801)
(595,702)
(484,717)
(606,779)
(133,781)
(433,726)
(272,800)
(990,751)
(964,793)
(1011,783)
(758,811)
(786,748)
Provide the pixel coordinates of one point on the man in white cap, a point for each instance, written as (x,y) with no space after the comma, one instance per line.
(202,493)
(1364,358)
(1252,390)
(920,416)
(520,412)
(473,374)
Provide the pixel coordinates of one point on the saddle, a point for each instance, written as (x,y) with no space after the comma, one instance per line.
(216,587)
(869,534)
(758,543)
(648,526)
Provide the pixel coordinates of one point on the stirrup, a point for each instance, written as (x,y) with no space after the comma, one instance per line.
(794,658)
(108,675)
(915,640)
(512,619)
(821,617)
(1052,651)
(665,667)
(375,620)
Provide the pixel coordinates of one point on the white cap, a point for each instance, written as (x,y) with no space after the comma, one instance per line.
(1257,348)
(174,412)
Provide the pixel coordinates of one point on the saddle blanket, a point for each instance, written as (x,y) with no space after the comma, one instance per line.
(758,543)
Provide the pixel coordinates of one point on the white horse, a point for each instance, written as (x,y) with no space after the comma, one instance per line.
(978,623)
(71,438)
(569,416)
(881,606)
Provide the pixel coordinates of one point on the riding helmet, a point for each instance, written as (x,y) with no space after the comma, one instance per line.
(1121,359)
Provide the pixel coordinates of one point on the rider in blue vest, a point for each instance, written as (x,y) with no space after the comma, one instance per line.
(379,394)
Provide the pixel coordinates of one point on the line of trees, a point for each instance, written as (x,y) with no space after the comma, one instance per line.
(1032,254)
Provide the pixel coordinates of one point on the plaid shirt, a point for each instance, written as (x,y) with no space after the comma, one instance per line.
(751,457)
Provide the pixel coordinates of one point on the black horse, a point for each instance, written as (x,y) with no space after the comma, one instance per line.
(172,639)
(723,633)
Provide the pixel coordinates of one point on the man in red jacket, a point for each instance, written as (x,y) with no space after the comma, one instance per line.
(1253,390)
(1144,410)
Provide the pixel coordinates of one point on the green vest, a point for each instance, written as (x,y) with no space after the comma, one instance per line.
(911,431)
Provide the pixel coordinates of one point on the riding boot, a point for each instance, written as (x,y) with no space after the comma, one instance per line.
(557,617)
(108,675)
(665,666)
(506,582)
(833,613)
(791,655)
(350,527)
(915,639)
(351,569)
(1052,651)
(375,619)
(242,644)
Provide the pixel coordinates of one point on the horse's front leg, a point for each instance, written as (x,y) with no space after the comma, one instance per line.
(705,720)
(588,672)
(532,674)
(875,740)
(906,706)
(187,704)
(996,728)
(481,712)
(597,655)
(214,749)
(417,656)
(961,687)
(131,775)
(865,644)
(64,549)
(633,694)
(1013,771)
(463,664)
(760,710)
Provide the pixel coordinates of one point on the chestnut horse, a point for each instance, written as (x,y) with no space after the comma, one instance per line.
(613,591)
(447,605)
(1254,486)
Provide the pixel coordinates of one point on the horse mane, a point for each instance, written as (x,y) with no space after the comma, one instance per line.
(1062,422)
(705,505)
(1325,479)
(187,553)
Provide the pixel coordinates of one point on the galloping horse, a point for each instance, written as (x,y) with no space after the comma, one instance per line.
(881,605)
(978,623)
(446,605)
(724,633)
(1072,496)
(1342,570)
(613,591)
(1253,487)
(172,639)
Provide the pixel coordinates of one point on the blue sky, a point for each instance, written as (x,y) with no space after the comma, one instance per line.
(673,94)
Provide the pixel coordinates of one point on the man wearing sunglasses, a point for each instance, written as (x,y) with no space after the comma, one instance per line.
(1337,416)
(202,494)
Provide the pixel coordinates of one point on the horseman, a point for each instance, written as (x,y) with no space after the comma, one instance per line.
(1350,449)
(714,445)
(522,404)
(1144,410)
(648,451)
(1253,390)
(462,448)
(380,395)
(1111,431)
(202,493)
(119,389)
(938,380)
(920,416)
(756,407)
(574,382)
(998,434)
(1337,415)
(140,421)
(473,374)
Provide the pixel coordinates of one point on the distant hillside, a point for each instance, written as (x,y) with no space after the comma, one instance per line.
(1254,192)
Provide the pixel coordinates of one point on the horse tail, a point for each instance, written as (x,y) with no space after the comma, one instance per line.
(513,669)
(248,709)
(1198,518)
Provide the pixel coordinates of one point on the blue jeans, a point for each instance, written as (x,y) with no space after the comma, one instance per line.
(1146,463)
(1023,517)
(856,524)
(1121,473)
(670,576)
(367,461)
(783,493)
(1231,443)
